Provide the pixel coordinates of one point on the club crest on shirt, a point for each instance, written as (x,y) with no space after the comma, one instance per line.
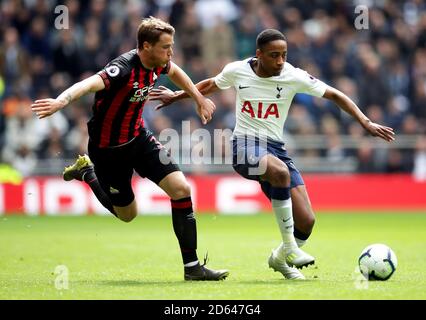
(279,92)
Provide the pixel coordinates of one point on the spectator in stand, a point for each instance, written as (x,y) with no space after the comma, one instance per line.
(13,58)
(419,170)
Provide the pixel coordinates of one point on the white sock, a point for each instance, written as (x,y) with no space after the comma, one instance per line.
(300,243)
(284,216)
(191,264)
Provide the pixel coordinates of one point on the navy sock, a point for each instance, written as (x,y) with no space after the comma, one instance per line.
(280,193)
(300,235)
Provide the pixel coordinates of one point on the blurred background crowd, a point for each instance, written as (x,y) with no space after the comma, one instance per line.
(382,68)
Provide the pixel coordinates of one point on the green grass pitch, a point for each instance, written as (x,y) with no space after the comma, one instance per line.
(109,259)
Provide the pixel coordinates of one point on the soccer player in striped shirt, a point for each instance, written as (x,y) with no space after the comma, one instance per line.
(119,143)
(265,86)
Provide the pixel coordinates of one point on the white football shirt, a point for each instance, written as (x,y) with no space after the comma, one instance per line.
(262,104)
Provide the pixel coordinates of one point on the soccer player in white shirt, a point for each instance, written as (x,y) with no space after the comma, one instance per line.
(265,86)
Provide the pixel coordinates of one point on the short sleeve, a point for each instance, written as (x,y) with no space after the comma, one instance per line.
(115,73)
(309,84)
(226,78)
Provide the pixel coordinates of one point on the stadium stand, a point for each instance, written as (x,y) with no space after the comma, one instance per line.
(383,68)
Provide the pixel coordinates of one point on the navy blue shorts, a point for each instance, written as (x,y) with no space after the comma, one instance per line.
(247,153)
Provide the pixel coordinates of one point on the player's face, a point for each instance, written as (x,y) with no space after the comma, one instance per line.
(272,57)
(162,51)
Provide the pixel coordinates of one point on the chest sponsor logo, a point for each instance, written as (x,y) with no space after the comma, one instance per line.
(140,94)
(263,112)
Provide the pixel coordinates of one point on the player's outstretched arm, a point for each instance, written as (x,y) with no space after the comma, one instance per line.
(167,96)
(205,107)
(46,107)
(346,104)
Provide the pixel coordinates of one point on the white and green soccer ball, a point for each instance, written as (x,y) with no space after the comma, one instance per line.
(377,262)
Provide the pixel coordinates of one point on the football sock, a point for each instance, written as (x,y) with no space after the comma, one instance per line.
(282,206)
(300,243)
(191,264)
(300,237)
(185,228)
(90,178)
(284,216)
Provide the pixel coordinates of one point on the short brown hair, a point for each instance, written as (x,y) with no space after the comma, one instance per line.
(151,29)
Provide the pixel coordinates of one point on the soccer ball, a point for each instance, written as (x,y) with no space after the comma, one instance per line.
(377,262)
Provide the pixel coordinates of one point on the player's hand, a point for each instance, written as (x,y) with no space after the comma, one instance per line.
(380,131)
(162,94)
(205,110)
(46,107)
